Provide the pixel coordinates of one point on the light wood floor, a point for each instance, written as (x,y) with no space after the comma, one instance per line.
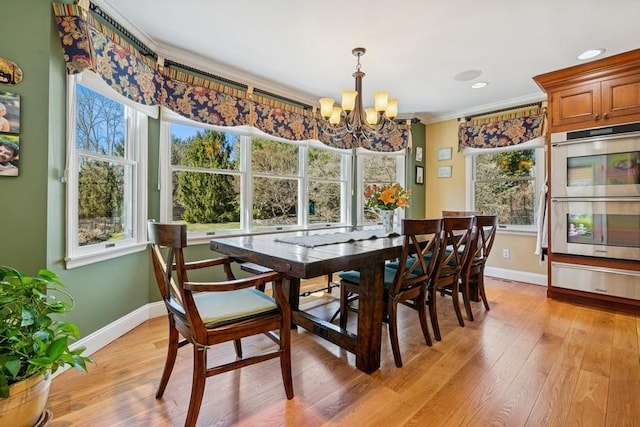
(529,361)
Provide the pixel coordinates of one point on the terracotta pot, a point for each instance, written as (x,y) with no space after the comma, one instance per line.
(26,402)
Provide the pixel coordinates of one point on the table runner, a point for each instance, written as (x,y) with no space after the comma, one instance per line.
(334,238)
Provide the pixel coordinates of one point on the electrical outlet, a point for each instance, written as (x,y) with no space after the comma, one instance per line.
(505,253)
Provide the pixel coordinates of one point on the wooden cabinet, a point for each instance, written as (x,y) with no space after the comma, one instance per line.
(592,95)
(595,94)
(611,101)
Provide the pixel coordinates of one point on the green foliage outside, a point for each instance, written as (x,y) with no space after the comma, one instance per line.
(505,186)
(206,197)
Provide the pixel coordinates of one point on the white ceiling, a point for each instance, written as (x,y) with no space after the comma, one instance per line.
(302,49)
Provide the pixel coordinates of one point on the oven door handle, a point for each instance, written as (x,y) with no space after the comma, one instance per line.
(594,199)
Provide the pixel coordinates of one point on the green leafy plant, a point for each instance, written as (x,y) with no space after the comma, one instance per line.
(33,338)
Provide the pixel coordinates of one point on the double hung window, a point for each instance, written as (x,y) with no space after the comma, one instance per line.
(381,169)
(507,183)
(106,172)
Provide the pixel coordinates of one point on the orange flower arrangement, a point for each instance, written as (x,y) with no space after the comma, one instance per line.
(386,197)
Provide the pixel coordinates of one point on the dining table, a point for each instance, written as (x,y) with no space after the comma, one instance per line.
(307,254)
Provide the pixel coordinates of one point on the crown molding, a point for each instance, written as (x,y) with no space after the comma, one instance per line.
(428,118)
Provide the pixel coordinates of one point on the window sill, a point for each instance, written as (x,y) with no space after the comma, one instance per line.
(86,259)
(519,231)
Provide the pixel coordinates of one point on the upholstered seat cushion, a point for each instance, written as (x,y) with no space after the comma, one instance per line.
(218,308)
(353,276)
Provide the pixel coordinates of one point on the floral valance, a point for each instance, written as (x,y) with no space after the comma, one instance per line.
(508,128)
(88,44)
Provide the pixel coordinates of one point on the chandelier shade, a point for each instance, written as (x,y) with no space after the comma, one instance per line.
(352,121)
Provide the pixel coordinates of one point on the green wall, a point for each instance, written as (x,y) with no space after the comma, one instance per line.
(417,202)
(33,212)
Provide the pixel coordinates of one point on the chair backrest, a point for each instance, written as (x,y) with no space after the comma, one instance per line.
(171,273)
(420,252)
(459,213)
(486,227)
(456,246)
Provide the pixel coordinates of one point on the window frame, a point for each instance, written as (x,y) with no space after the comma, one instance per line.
(136,134)
(246,178)
(539,148)
(361,154)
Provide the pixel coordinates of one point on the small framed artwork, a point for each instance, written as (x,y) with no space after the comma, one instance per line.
(9,154)
(419,175)
(9,113)
(418,154)
(444,172)
(445,153)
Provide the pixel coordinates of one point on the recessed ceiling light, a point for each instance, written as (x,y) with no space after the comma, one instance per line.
(591,53)
(467,75)
(479,85)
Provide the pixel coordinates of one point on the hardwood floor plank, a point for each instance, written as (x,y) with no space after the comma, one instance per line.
(624,389)
(528,361)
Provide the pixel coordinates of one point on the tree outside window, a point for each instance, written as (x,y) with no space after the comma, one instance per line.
(505,184)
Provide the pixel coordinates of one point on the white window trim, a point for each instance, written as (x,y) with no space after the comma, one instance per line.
(137,125)
(538,145)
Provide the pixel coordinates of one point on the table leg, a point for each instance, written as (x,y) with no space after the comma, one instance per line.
(291,287)
(370,302)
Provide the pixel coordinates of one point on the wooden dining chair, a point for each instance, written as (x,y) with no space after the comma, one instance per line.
(208,313)
(456,246)
(473,273)
(405,284)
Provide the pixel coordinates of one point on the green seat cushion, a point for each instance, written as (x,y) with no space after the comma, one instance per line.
(219,308)
(353,276)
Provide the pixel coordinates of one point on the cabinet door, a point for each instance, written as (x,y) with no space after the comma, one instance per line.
(580,104)
(621,97)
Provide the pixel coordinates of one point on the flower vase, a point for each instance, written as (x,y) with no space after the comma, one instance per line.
(387,219)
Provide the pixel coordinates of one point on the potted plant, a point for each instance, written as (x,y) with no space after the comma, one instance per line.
(34,342)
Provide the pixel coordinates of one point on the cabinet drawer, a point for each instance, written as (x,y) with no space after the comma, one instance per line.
(598,280)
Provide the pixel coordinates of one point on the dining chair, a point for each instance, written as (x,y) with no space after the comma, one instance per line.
(208,313)
(406,284)
(473,274)
(457,245)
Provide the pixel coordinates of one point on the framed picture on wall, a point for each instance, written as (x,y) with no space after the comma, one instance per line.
(419,175)
(9,113)
(445,153)
(418,154)
(444,172)
(9,154)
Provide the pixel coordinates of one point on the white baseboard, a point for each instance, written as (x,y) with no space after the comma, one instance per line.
(114,330)
(520,276)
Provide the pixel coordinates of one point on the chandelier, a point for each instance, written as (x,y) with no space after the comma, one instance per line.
(352,119)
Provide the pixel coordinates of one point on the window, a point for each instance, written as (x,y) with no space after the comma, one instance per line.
(507,183)
(239,180)
(106,196)
(378,168)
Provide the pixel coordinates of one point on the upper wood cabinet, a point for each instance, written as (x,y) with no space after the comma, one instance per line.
(595,94)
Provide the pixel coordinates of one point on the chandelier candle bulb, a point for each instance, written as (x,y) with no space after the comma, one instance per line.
(381,101)
(372,116)
(326,107)
(392,109)
(334,119)
(349,100)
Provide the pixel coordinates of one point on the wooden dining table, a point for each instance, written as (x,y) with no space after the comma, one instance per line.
(306,254)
